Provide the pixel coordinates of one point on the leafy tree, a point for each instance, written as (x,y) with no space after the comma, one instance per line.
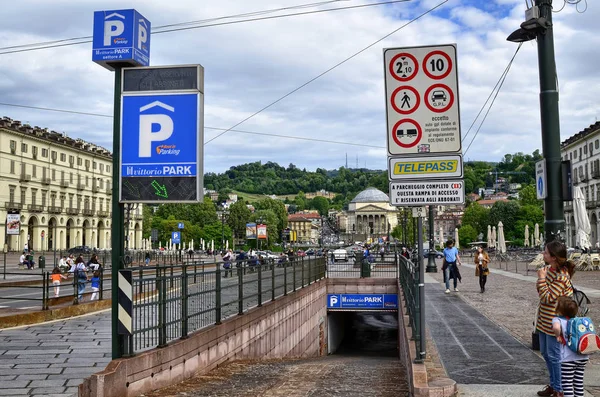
(278,208)
(239,215)
(528,196)
(213,232)
(477,217)
(467,234)
(321,204)
(507,212)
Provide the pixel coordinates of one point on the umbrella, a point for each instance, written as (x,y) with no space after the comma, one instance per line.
(501,242)
(441,237)
(536,235)
(227,244)
(456,238)
(489,236)
(494,236)
(526,242)
(582,221)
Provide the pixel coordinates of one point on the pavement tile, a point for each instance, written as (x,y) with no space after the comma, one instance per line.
(48,390)
(47,383)
(14,392)
(13,384)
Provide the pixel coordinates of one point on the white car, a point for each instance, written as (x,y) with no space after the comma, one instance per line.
(340,255)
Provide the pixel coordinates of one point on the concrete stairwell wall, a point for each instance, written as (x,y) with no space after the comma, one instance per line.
(292,326)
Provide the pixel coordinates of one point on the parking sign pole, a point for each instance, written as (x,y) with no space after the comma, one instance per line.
(117,226)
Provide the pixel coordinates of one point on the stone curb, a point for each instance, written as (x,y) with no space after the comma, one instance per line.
(30,318)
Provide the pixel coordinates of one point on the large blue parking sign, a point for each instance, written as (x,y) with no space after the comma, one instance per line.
(175,237)
(121,36)
(362,301)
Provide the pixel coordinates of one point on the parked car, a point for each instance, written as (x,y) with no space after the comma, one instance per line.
(267,254)
(81,249)
(437,254)
(310,252)
(300,253)
(340,254)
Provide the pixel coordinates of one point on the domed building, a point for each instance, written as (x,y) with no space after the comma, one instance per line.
(370,215)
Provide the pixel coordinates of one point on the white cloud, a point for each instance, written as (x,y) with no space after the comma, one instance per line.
(250,65)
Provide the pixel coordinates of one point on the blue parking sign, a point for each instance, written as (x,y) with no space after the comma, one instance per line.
(176,238)
(121,36)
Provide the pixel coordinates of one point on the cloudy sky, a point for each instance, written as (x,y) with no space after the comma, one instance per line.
(250,65)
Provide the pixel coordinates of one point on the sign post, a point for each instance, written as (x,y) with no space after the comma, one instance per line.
(540,180)
(121,38)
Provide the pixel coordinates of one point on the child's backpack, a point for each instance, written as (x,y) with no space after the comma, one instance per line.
(581,335)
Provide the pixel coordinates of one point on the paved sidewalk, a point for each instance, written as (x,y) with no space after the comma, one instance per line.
(53,358)
(503,313)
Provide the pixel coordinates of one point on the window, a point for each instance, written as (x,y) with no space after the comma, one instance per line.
(23,193)
(34,171)
(575,154)
(87,181)
(101,204)
(597,144)
(12,166)
(87,164)
(53,199)
(62,175)
(580,172)
(33,196)
(44,152)
(13,146)
(108,168)
(63,157)
(53,175)
(102,166)
(585,149)
(44,194)
(591,148)
(24,147)
(34,151)
(71,200)
(79,161)
(62,200)
(580,153)
(11,194)
(78,201)
(71,178)
(570,156)
(93,165)
(86,203)
(54,155)
(101,183)
(71,160)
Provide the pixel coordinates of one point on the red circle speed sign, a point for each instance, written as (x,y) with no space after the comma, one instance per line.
(403,66)
(437,65)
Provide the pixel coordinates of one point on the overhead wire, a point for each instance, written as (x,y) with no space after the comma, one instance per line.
(501,81)
(328,70)
(214,24)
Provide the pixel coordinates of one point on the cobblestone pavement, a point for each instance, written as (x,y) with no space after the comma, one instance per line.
(511,303)
(53,358)
(337,375)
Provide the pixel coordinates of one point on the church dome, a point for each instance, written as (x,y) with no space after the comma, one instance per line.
(371,195)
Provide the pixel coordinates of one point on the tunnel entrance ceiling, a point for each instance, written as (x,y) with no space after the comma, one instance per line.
(364,333)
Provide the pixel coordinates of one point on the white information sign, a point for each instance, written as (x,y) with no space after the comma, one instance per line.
(421,88)
(540,179)
(418,212)
(418,194)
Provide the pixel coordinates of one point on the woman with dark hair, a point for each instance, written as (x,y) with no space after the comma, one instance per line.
(482,270)
(553,282)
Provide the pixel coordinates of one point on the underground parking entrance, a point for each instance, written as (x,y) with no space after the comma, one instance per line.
(363,333)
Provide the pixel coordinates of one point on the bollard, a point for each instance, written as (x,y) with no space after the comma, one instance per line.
(41,261)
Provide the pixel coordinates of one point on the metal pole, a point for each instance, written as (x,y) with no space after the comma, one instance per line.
(421,345)
(431,266)
(554,223)
(117,226)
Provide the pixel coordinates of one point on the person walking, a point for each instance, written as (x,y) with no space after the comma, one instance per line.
(80,274)
(572,364)
(553,282)
(95,282)
(482,259)
(382,253)
(405,253)
(451,259)
(56,276)
(227,263)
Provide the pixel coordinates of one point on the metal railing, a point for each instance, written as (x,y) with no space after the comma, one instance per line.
(409,280)
(172,301)
(358,266)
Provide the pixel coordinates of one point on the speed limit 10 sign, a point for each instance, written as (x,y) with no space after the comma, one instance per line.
(421,85)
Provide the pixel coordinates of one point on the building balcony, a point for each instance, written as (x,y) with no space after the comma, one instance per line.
(72,211)
(138,216)
(109,190)
(81,186)
(11,205)
(53,209)
(590,204)
(88,212)
(64,183)
(25,178)
(35,207)
(103,214)
(45,181)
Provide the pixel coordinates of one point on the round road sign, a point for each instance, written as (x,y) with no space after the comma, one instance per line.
(407,133)
(439,98)
(437,65)
(405,99)
(403,66)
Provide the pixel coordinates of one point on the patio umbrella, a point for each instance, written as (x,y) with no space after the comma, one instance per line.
(227,244)
(489,236)
(526,242)
(501,241)
(536,235)
(441,237)
(582,221)
(456,244)
(494,236)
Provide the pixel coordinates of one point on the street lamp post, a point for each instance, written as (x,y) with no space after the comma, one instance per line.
(541,28)
(223,219)
(431,267)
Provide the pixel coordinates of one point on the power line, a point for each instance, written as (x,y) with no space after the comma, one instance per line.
(208,128)
(86,39)
(328,70)
(503,78)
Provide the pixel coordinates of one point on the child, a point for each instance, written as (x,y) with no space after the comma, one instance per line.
(572,365)
(95,285)
(55,277)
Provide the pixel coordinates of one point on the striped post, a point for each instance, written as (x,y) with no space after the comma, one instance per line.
(125,326)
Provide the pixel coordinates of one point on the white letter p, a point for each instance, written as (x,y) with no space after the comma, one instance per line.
(112,29)
(147,136)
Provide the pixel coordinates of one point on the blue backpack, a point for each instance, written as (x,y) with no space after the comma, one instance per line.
(581,335)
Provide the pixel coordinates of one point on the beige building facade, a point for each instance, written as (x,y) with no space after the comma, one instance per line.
(370,215)
(61,189)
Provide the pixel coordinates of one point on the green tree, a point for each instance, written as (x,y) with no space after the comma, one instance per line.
(467,234)
(239,215)
(321,204)
(528,196)
(507,212)
(278,209)
(477,217)
(213,232)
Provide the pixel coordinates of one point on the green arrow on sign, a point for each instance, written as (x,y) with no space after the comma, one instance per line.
(160,190)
